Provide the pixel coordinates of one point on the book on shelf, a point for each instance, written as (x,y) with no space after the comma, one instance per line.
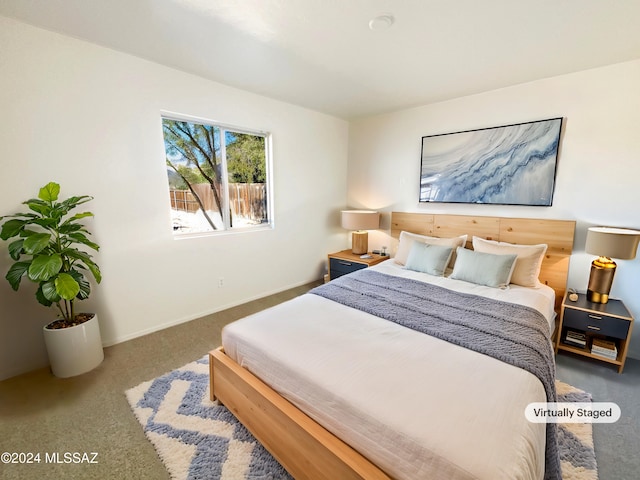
(604,348)
(575,338)
(604,344)
(610,356)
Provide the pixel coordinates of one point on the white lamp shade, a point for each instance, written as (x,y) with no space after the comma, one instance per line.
(360,220)
(611,242)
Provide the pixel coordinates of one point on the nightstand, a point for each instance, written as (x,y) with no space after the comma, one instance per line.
(341,263)
(586,327)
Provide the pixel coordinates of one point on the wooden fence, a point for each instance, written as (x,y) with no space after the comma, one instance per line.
(247,200)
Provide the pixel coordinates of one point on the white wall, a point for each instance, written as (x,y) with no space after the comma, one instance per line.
(89,118)
(598,169)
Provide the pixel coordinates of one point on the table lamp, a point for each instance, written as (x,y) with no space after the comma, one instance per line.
(359,221)
(608,242)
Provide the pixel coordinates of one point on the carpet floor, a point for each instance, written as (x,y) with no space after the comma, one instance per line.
(197,439)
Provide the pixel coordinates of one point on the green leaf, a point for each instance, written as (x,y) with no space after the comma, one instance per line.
(50,192)
(34,244)
(49,291)
(15,273)
(38,206)
(81,238)
(11,228)
(69,228)
(78,216)
(32,200)
(15,249)
(45,222)
(73,202)
(44,267)
(95,270)
(85,259)
(41,297)
(27,217)
(66,286)
(27,233)
(57,212)
(85,286)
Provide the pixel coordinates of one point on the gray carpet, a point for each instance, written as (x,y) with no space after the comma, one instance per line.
(616,444)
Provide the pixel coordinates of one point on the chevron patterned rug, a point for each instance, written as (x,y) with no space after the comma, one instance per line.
(200,439)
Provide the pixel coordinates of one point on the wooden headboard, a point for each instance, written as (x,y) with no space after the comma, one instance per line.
(557,234)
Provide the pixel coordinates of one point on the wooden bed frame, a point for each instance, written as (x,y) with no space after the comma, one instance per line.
(304,447)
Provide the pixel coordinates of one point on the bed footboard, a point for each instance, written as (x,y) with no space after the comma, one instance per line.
(302,446)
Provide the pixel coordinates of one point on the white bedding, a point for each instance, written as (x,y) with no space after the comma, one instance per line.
(416,406)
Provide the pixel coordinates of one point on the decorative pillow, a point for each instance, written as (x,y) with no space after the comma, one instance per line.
(528,263)
(484,268)
(431,259)
(407,239)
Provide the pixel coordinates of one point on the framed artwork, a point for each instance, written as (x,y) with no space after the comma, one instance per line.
(507,165)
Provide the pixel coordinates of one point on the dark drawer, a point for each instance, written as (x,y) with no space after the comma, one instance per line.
(596,323)
(338,267)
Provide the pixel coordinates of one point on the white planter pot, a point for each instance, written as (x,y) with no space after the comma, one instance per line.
(75,350)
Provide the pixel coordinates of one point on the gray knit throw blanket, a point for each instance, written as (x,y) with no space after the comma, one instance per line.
(512,333)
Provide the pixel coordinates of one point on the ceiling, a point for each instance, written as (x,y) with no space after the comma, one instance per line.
(321,54)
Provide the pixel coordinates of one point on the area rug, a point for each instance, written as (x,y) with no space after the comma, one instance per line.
(575,440)
(199,439)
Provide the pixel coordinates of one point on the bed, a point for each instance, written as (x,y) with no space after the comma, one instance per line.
(333,390)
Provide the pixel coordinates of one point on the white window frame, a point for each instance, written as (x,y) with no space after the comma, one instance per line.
(223,128)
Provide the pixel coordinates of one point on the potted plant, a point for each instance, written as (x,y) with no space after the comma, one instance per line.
(46,251)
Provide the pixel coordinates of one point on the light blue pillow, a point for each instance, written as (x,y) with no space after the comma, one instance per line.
(427,258)
(483,268)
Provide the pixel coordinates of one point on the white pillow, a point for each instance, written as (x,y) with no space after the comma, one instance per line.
(407,239)
(431,259)
(528,263)
(484,268)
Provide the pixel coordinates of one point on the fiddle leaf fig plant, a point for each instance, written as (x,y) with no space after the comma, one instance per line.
(45,250)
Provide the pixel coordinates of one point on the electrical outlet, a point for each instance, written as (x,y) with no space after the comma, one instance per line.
(220,282)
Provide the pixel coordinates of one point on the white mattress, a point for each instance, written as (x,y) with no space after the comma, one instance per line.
(416,406)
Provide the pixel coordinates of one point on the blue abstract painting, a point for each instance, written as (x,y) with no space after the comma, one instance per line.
(508,165)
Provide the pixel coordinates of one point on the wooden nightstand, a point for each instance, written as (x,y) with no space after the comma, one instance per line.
(341,263)
(609,322)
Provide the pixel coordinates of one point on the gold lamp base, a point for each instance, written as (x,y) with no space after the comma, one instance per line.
(359,242)
(603,270)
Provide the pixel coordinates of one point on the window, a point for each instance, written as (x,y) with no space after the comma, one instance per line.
(218,176)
